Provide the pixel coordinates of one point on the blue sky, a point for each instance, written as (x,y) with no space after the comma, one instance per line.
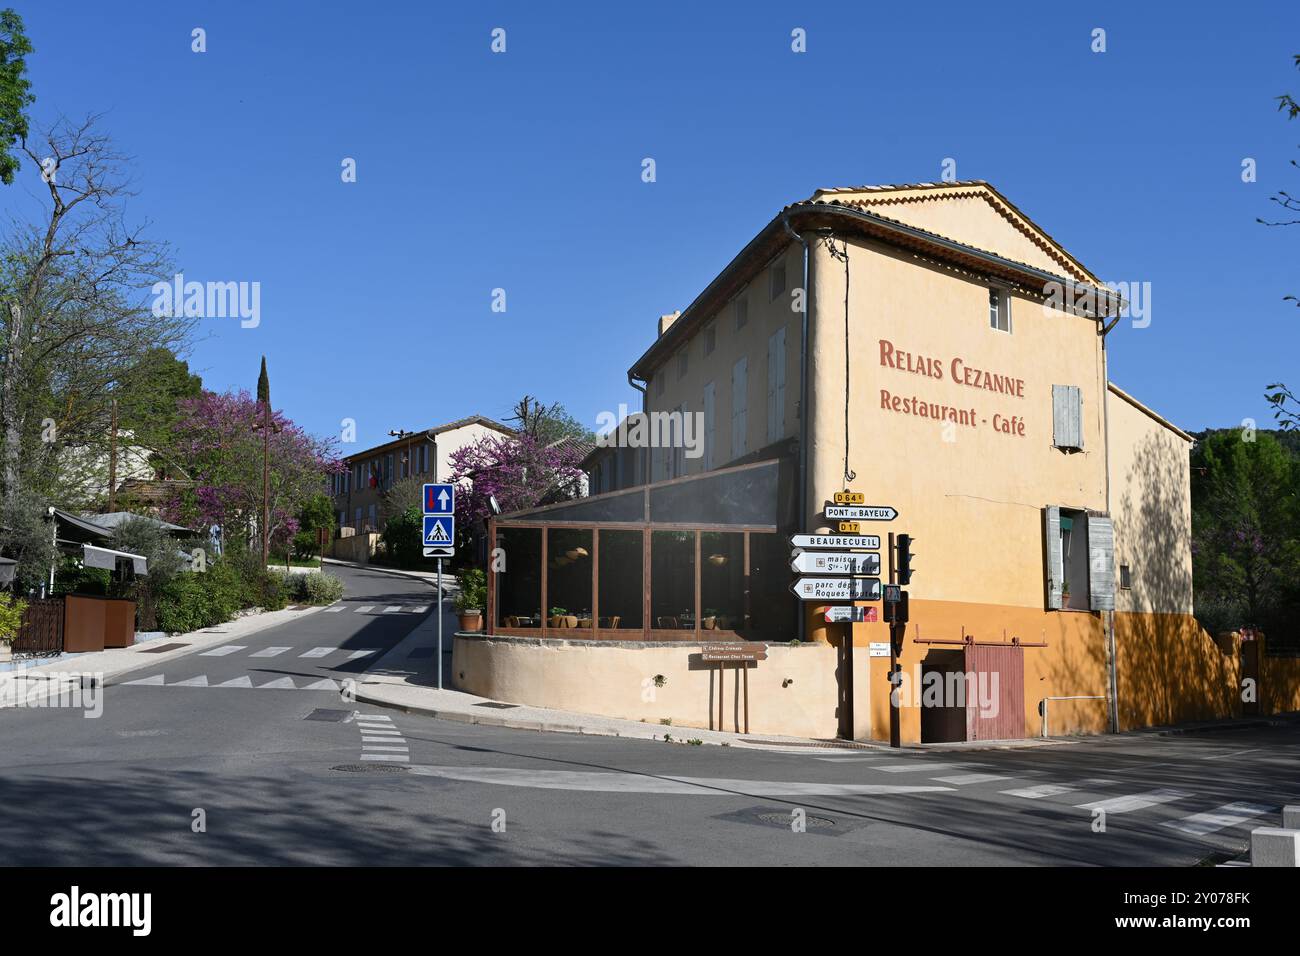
(522,171)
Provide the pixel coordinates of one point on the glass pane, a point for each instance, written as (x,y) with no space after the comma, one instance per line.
(613,507)
(519,586)
(672,580)
(621,580)
(750,496)
(568,577)
(722,580)
(772,606)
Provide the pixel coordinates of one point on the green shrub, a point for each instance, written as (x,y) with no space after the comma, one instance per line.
(473,590)
(403,539)
(321,588)
(11,617)
(183,605)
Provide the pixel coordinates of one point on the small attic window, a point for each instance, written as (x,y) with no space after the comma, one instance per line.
(742,312)
(999,310)
(776,280)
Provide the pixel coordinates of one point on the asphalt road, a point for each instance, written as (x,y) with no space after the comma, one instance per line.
(294,774)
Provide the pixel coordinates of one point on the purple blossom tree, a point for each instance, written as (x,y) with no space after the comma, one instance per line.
(519,470)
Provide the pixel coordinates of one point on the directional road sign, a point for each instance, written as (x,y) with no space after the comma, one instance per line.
(845,613)
(837,589)
(860,512)
(836,542)
(439,499)
(836,562)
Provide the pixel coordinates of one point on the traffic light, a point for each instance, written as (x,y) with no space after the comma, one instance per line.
(896,612)
(903,558)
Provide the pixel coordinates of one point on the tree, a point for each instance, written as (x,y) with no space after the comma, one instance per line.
(75,316)
(223,451)
(1245,540)
(149,408)
(1286,409)
(145,536)
(316,514)
(15,90)
(519,471)
(263,385)
(548,424)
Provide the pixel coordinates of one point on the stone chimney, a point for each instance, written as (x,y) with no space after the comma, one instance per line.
(666,321)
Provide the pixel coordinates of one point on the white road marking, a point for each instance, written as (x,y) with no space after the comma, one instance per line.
(379,740)
(918,766)
(236,682)
(363,609)
(384,757)
(373,717)
(865,759)
(1236,753)
(1230,814)
(323,684)
(155,681)
(392,608)
(641,783)
(362,653)
(223,650)
(200,681)
(334,609)
(419,609)
(269,652)
(283,683)
(961,779)
(318,652)
(1136,801)
(376,747)
(378,734)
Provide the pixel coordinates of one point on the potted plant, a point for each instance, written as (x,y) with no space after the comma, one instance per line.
(560,617)
(471,599)
(1065,593)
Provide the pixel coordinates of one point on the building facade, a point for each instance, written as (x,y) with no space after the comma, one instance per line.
(933,348)
(358,492)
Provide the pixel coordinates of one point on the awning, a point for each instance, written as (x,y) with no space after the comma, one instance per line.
(7,569)
(107,559)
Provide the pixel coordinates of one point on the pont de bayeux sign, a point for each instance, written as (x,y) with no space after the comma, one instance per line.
(958,371)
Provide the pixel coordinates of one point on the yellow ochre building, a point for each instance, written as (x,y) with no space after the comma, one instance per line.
(933,348)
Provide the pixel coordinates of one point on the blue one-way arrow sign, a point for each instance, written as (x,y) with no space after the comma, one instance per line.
(439,499)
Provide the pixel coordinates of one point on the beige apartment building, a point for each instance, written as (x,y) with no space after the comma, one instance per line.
(358,492)
(933,348)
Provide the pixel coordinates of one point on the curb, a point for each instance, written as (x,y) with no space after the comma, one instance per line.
(396,572)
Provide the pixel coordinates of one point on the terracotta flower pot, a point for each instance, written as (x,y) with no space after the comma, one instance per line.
(471,619)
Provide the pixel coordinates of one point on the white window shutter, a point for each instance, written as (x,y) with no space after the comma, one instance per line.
(1067,416)
(1101,563)
(1055,564)
(739,415)
(708,426)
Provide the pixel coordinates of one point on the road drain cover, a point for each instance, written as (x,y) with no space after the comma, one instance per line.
(324,713)
(493,703)
(368,768)
(784,820)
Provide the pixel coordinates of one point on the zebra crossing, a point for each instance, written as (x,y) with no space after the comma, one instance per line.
(381,741)
(1089,791)
(315,653)
(242,681)
(379,609)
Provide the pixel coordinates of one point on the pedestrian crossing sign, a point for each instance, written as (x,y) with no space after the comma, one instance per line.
(439,536)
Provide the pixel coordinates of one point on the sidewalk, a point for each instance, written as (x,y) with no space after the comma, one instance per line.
(118,661)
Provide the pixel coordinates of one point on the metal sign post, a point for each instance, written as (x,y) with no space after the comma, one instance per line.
(439,539)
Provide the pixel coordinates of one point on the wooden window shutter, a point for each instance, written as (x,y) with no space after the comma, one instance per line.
(1101,563)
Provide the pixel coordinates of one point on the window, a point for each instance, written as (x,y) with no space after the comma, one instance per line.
(708,426)
(1125,578)
(622,555)
(388,470)
(1067,417)
(373,521)
(722,580)
(710,339)
(519,586)
(356,522)
(742,312)
(1080,560)
(672,580)
(682,358)
(679,444)
(1000,310)
(739,418)
(776,280)
(776,386)
(568,577)
(424,459)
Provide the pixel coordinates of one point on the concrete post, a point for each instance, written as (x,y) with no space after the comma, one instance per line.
(1275,846)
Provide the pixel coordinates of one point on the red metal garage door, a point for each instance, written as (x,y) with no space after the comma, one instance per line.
(1004,717)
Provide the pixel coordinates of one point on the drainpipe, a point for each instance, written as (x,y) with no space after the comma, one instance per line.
(804,430)
(642,389)
(1112,666)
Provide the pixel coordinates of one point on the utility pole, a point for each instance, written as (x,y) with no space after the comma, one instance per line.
(112,462)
